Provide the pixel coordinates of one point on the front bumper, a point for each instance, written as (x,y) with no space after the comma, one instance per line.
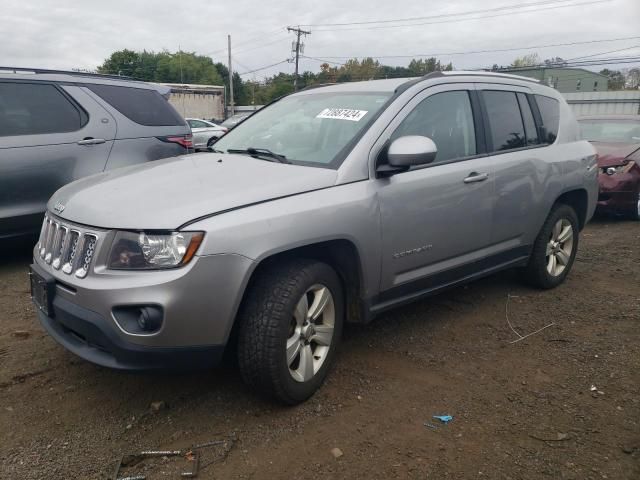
(91,337)
(618,193)
(199,304)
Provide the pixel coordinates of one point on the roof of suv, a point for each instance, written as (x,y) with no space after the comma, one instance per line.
(44,75)
(391,84)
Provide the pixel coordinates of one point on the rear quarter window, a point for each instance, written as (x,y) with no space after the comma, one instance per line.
(146,107)
(550,113)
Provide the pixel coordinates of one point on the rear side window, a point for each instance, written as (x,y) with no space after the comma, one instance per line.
(447,119)
(35,109)
(507,129)
(550,113)
(146,107)
(530,129)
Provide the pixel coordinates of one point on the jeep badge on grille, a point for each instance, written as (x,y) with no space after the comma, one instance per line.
(59,207)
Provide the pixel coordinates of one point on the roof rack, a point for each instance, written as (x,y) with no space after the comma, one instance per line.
(317,85)
(482,73)
(63,72)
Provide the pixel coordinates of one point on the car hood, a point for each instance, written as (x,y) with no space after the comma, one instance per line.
(613,154)
(167,193)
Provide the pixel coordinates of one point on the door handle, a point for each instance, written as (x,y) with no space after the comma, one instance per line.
(476,177)
(91,141)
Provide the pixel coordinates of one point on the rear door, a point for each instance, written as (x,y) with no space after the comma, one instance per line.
(519,169)
(436,219)
(50,135)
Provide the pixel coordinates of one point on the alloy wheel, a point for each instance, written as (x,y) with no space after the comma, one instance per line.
(310,333)
(559,247)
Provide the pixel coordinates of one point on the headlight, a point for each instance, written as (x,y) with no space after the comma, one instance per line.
(148,251)
(619,169)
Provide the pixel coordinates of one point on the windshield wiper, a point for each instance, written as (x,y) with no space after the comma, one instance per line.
(262,153)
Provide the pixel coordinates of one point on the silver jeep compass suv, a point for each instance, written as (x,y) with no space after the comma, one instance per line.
(330,205)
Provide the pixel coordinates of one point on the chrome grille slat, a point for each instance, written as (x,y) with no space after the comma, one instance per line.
(70,255)
(50,241)
(66,247)
(59,246)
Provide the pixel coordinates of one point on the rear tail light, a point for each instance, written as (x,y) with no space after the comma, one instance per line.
(184,140)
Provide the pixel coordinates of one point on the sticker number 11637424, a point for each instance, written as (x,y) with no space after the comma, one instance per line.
(342,114)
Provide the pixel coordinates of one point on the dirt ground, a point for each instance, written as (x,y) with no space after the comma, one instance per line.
(523,410)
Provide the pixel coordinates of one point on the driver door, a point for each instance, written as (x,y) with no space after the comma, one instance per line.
(436,218)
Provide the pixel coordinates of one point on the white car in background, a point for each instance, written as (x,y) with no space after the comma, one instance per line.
(205,133)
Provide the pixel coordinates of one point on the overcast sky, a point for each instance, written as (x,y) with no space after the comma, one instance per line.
(81,34)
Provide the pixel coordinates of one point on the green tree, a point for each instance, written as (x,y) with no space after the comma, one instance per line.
(616,79)
(179,67)
(529,60)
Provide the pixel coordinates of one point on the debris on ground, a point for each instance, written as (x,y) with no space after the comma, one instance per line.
(443,418)
(21,334)
(336,452)
(430,425)
(157,406)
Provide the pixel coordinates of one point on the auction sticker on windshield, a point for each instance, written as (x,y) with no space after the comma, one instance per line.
(342,114)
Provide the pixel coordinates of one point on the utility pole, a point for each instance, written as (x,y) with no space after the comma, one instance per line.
(231,104)
(296,51)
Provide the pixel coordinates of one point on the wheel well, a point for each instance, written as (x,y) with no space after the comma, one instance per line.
(342,256)
(578,200)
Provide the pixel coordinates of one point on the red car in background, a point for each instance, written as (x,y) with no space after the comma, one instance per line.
(617,140)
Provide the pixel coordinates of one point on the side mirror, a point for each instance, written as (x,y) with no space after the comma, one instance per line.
(411,150)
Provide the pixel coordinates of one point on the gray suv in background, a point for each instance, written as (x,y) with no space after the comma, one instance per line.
(330,205)
(56,127)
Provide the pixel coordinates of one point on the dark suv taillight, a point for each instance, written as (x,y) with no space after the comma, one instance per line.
(184,140)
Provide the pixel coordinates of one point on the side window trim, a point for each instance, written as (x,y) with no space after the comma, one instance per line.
(537,117)
(82,113)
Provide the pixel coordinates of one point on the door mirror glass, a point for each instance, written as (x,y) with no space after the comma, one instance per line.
(411,150)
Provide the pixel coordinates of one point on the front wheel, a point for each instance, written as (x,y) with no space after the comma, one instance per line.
(554,250)
(290,327)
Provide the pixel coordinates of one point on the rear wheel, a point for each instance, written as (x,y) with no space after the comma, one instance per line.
(554,250)
(290,327)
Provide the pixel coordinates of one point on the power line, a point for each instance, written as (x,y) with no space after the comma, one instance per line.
(429,17)
(455,20)
(470,52)
(264,68)
(604,53)
(246,42)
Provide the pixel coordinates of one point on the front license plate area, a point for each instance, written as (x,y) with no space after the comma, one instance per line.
(42,291)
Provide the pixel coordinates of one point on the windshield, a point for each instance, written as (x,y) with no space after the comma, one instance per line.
(616,131)
(310,129)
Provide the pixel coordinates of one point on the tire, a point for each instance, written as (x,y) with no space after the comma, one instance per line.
(211,141)
(274,323)
(541,271)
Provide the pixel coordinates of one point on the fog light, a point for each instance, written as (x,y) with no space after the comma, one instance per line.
(150,319)
(139,319)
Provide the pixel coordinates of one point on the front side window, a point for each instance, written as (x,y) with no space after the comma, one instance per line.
(447,119)
(505,121)
(35,109)
(317,129)
(550,113)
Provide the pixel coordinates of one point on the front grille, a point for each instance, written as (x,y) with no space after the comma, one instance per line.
(66,247)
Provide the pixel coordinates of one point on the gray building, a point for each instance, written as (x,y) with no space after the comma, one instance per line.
(198,101)
(564,79)
(623,102)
